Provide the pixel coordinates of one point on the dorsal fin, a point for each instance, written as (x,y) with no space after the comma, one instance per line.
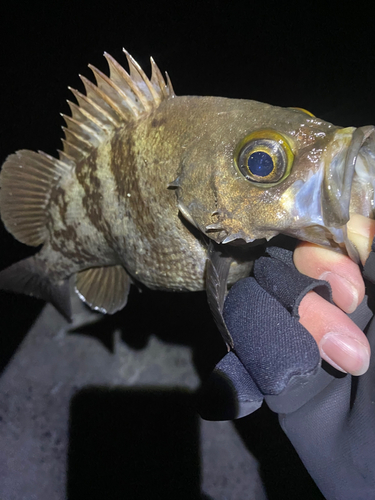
(114,100)
(27,178)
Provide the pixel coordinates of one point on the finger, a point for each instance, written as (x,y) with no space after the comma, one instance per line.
(361,232)
(339,270)
(341,342)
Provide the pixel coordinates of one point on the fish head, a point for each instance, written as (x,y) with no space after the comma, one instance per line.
(255,171)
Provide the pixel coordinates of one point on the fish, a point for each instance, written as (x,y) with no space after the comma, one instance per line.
(172,192)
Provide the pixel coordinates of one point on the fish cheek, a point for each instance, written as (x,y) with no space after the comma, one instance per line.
(219,201)
(258,211)
(252,213)
(197,190)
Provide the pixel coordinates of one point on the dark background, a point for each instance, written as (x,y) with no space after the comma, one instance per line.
(306,55)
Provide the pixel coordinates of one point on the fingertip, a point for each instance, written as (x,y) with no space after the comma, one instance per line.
(339,270)
(341,343)
(345,353)
(344,293)
(361,232)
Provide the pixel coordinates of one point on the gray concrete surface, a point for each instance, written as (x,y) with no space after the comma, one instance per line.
(78,420)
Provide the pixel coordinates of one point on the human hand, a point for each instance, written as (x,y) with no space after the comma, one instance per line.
(341,342)
(278,354)
(329,419)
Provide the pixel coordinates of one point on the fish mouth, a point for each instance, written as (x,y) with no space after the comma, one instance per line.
(339,179)
(352,189)
(320,206)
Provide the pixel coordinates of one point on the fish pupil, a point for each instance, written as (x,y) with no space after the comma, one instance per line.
(260,163)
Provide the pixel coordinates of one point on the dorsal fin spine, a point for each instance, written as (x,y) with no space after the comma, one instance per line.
(77,123)
(103,81)
(137,73)
(157,79)
(88,104)
(69,134)
(92,95)
(78,127)
(81,115)
(72,149)
(170,86)
(116,69)
(66,159)
(58,167)
(103,98)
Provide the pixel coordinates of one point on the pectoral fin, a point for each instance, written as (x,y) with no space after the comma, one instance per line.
(104,289)
(217,272)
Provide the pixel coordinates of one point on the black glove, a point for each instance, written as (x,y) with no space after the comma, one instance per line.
(328,416)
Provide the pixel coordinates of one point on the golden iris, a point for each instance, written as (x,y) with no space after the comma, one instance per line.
(303,111)
(264,157)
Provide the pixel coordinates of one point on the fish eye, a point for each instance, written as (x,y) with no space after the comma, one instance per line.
(264,157)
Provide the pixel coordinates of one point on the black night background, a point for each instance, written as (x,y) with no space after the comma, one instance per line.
(318,58)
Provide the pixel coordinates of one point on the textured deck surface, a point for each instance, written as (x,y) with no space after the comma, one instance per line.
(96,413)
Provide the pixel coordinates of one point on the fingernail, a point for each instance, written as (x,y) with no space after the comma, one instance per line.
(360,232)
(345,353)
(359,224)
(348,293)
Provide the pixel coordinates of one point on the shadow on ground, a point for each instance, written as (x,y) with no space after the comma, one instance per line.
(133,444)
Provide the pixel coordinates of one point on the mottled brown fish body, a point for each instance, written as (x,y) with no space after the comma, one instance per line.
(116,208)
(146,179)
(157,246)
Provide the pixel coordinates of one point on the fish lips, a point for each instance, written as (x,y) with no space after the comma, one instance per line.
(337,186)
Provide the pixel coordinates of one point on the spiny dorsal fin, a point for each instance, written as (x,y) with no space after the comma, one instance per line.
(114,100)
(27,177)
